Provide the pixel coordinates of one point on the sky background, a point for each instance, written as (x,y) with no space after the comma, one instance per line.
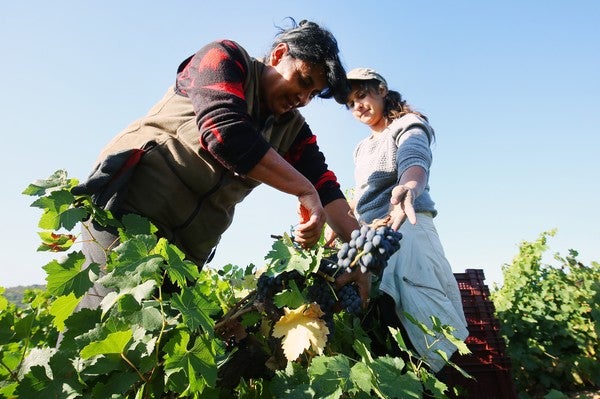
(511,88)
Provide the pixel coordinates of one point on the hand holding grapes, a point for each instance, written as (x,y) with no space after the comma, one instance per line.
(362,281)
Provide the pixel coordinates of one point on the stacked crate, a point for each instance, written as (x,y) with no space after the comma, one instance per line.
(488,362)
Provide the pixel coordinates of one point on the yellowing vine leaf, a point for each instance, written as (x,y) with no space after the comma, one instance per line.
(301,328)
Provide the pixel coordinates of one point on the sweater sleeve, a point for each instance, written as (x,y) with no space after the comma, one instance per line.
(413,150)
(213,79)
(306,157)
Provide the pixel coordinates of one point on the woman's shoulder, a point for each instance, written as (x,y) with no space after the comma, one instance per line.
(408,122)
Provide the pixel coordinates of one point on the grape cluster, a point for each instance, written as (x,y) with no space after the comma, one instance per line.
(370,248)
(321,292)
(267,286)
(350,299)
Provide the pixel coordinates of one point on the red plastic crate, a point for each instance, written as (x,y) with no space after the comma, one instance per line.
(488,363)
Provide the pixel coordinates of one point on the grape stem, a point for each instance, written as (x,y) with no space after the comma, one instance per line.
(356,259)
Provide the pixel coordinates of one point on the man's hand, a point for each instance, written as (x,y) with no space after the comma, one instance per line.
(308,232)
(362,280)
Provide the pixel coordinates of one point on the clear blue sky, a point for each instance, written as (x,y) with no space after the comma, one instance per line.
(511,88)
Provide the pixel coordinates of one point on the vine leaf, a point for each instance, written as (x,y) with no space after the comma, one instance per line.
(179,270)
(129,274)
(139,293)
(301,328)
(68,276)
(57,181)
(114,343)
(190,369)
(195,309)
(284,256)
(360,374)
(58,212)
(55,242)
(55,380)
(62,308)
(330,375)
(292,383)
(291,298)
(392,382)
(3,300)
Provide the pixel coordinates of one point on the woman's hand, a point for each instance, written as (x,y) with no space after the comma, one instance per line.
(402,200)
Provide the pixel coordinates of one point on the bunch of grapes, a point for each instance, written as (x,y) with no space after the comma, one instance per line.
(321,292)
(347,296)
(268,286)
(370,248)
(350,299)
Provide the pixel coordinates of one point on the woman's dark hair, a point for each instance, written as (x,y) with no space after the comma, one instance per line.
(309,42)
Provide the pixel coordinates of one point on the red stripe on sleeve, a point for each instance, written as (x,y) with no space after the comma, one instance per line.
(328,176)
(213,59)
(210,126)
(235,88)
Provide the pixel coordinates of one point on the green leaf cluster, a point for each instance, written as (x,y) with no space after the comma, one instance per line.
(148,342)
(550,320)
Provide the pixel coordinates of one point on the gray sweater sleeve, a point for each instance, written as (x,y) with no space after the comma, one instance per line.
(413,141)
(413,149)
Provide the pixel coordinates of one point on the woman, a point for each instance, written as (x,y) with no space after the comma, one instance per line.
(227,124)
(391,180)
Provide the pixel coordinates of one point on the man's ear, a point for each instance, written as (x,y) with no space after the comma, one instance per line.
(277,54)
(382,90)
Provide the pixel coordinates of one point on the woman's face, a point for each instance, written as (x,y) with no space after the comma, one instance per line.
(290,83)
(367,106)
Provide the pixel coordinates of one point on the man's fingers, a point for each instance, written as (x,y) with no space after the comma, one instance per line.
(344,279)
(362,281)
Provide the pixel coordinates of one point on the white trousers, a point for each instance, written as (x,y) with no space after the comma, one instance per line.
(420,280)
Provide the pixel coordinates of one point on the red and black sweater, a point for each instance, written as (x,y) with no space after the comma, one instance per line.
(213,80)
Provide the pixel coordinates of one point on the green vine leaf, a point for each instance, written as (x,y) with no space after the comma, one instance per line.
(180,271)
(284,257)
(62,308)
(195,309)
(392,382)
(58,212)
(57,181)
(3,300)
(291,298)
(66,276)
(329,376)
(292,383)
(58,380)
(114,343)
(139,293)
(361,377)
(128,274)
(190,370)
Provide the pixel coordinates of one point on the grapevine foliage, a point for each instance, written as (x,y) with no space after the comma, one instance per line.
(550,320)
(295,331)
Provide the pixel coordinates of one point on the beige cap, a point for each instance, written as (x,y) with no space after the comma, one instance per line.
(365,74)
